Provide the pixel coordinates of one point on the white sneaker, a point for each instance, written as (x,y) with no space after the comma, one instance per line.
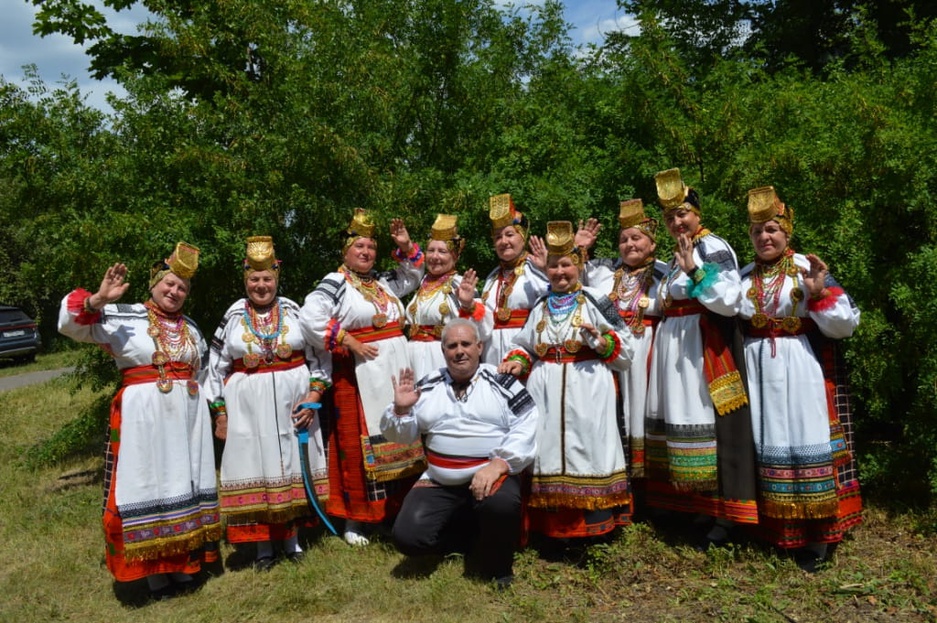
(356,539)
(354,534)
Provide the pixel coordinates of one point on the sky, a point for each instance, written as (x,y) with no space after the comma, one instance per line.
(58,60)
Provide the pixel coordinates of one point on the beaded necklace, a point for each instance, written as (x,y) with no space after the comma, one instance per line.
(265,330)
(630,291)
(557,308)
(508,274)
(172,341)
(765,292)
(372,292)
(429,288)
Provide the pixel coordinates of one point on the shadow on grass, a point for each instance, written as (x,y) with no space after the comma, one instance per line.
(416,567)
(137,594)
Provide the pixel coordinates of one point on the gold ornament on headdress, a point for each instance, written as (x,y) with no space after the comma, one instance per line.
(631,214)
(183,263)
(361,224)
(672,193)
(360,227)
(502,213)
(445,229)
(260,254)
(764,205)
(560,241)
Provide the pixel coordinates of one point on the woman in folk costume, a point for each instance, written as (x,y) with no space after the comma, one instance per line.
(807,485)
(512,288)
(161,519)
(571,346)
(257,374)
(698,431)
(632,281)
(354,320)
(442,295)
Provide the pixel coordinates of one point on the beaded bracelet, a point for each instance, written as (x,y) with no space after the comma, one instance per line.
(218,409)
(612,348)
(318,385)
(524,361)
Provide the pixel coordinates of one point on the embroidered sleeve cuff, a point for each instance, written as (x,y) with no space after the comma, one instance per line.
(76,304)
(334,335)
(476,313)
(415,257)
(217,409)
(701,279)
(826,300)
(318,385)
(521,357)
(612,347)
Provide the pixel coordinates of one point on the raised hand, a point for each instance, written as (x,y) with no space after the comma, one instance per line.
(587,233)
(113,286)
(538,252)
(406,393)
(684,254)
(815,276)
(400,235)
(467,289)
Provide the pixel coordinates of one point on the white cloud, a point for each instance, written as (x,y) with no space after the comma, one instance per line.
(595,33)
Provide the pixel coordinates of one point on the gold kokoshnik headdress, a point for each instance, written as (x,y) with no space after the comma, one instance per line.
(261,256)
(560,241)
(360,227)
(445,229)
(631,214)
(502,213)
(183,263)
(673,194)
(764,205)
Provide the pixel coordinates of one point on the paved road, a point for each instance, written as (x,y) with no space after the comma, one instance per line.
(30,378)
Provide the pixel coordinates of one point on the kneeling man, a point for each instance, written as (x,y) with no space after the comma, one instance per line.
(480,429)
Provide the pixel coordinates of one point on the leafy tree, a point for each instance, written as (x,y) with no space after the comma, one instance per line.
(246,118)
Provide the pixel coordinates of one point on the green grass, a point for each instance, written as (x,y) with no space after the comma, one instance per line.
(51,361)
(52,551)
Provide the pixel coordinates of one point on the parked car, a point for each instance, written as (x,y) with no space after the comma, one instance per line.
(19,335)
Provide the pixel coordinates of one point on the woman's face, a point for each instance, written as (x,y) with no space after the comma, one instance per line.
(509,244)
(562,273)
(635,247)
(769,240)
(439,259)
(170,293)
(682,221)
(261,287)
(361,254)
